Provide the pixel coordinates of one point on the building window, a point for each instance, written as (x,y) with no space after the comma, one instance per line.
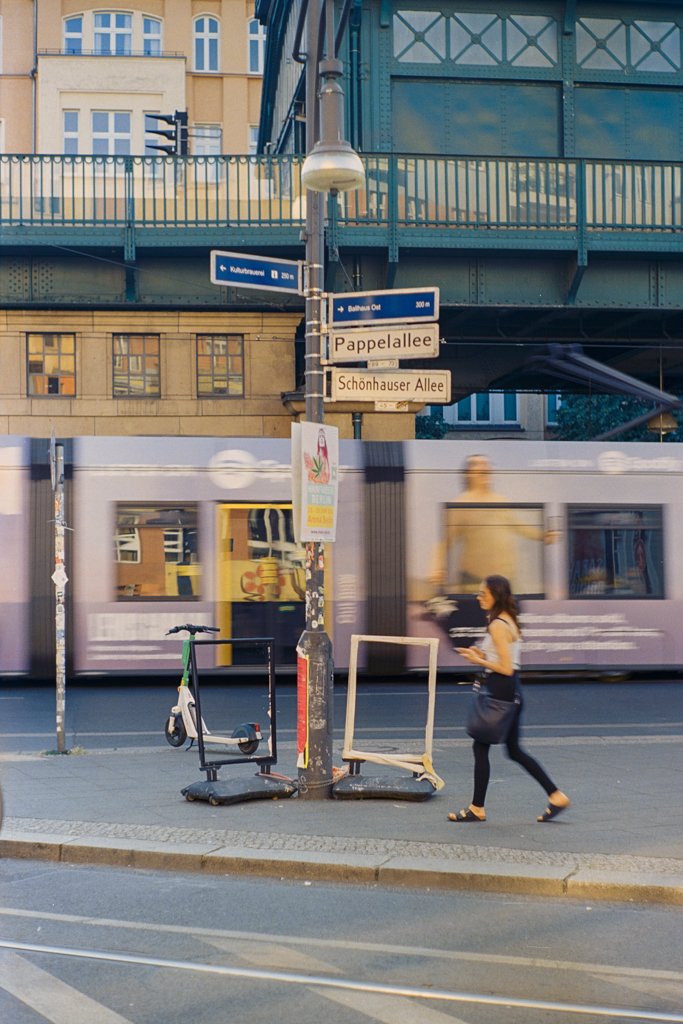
(137,359)
(111,134)
(220,365)
(113,34)
(207,140)
(51,364)
(71,132)
(487,407)
(151,37)
(257,46)
(73,35)
(156,551)
(206,39)
(253,139)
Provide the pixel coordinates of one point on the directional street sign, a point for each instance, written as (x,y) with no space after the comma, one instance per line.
(242,270)
(402,305)
(405,341)
(430,386)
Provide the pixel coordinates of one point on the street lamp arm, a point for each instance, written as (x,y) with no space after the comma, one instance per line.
(297,54)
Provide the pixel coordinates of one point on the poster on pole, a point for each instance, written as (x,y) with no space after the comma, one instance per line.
(315,475)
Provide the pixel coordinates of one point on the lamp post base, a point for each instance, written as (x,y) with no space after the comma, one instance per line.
(315,687)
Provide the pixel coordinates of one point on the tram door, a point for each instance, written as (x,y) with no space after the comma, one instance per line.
(261,581)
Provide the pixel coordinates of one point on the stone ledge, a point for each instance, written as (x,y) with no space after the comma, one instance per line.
(138,853)
(533,879)
(620,886)
(304,864)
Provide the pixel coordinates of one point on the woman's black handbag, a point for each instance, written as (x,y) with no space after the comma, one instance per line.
(488,719)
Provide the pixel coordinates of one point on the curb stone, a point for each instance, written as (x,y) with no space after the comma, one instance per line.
(360,869)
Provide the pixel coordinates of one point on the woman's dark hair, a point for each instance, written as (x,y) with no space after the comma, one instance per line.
(504,601)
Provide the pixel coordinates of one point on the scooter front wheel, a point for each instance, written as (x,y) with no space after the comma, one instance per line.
(175,731)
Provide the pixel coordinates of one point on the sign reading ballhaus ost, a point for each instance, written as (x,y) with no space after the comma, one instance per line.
(406,342)
(431,386)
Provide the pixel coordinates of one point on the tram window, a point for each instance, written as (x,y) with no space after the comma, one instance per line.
(275,567)
(262,560)
(485,539)
(616,553)
(156,552)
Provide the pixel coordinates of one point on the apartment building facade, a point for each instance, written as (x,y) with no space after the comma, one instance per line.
(92,339)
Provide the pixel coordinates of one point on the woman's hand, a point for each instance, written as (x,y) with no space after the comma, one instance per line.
(473,654)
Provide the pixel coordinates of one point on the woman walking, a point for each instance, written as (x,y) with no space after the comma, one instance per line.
(499,657)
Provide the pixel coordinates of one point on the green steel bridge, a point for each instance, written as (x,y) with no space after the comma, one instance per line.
(524,251)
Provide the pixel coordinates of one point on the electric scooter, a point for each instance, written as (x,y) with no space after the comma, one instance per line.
(181,723)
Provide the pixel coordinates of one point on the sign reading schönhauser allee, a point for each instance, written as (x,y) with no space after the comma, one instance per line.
(433,386)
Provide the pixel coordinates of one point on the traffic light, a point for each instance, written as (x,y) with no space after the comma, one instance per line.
(177,135)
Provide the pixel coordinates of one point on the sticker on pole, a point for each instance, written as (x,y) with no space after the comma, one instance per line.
(302,709)
(315,475)
(59,577)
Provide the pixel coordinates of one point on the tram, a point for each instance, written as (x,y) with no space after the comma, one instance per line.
(171,529)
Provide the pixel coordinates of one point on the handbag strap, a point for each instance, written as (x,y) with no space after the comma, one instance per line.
(517,698)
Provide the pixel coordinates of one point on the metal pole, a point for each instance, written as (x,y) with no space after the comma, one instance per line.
(59,578)
(315,779)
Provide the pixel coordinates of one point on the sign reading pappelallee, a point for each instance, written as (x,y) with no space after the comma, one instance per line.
(408,341)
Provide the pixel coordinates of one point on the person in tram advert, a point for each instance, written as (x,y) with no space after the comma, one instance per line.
(487,535)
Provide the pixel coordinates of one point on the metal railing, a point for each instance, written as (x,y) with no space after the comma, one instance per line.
(77,51)
(548,196)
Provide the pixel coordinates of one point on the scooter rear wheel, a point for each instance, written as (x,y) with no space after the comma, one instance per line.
(249,744)
(175,733)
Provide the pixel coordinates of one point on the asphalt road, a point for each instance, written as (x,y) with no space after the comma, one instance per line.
(83,945)
(130,715)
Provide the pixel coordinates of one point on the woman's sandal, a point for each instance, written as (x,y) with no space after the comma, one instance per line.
(551,811)
(464,815)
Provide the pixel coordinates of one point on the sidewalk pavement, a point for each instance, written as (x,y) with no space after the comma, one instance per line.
(622,838)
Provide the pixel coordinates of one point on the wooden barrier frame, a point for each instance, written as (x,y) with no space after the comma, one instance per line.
(418,764)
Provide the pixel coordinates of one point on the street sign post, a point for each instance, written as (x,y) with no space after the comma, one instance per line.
(398,306)
(432,387)
(405,341)
(243,270)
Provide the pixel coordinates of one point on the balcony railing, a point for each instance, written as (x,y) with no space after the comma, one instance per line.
(429,195)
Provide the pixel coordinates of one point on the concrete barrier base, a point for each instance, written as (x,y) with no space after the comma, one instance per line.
(258,787)
(387,787)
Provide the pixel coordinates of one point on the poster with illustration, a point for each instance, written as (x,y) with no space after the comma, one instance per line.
(315,476)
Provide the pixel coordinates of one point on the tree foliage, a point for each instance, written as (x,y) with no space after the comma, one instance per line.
(430,427)
(585,417)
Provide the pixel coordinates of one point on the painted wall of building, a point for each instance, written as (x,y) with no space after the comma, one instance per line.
(227,97)
(93,409)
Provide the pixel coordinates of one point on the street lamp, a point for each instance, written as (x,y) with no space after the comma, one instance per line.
(331,165)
